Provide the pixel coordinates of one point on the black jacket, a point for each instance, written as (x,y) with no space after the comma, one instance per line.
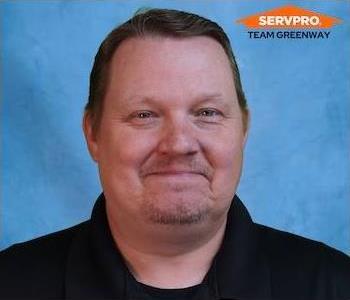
(254,262)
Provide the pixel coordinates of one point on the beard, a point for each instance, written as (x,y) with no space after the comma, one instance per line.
(177,205)
(180,215)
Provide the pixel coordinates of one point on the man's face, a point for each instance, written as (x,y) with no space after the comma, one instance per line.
(169,145)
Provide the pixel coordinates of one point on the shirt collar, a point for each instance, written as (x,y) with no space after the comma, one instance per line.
(95,268)
(241,267)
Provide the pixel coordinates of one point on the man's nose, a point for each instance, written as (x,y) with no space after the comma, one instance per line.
(178,138)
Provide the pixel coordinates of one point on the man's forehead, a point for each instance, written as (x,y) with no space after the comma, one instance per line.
(164,59)
(167,44)
(154,69)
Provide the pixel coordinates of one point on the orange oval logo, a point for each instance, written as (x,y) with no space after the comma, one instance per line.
(289,17)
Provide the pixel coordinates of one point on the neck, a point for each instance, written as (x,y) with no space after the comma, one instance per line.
(168,256)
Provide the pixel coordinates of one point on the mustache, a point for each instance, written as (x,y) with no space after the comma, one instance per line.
(186,165)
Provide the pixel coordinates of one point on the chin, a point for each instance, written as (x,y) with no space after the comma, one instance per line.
(177,209)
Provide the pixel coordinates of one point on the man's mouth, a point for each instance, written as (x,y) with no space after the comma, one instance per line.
(174,170)
(175,173)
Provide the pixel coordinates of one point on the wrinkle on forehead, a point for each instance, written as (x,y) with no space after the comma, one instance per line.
(170,58)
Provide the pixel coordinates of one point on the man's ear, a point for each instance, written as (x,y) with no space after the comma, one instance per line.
(246,126)
(90,135)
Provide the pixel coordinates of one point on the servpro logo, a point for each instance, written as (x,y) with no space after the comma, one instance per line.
(289,22)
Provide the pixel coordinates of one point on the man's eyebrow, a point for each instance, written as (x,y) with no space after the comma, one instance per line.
(202,97)
(199,99)
(216,98)
(139,99)
(210,97)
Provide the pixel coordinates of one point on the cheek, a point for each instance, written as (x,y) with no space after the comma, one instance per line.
(226,158)
(122,154)
(123,151)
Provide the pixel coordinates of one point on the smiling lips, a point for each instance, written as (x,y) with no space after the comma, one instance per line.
(179,169)
(176,173)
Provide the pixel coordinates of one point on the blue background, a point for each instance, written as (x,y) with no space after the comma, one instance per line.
(297,163)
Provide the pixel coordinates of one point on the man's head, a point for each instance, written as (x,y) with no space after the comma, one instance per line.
(166,119)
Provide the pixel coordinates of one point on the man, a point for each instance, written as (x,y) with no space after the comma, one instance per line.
(166,123)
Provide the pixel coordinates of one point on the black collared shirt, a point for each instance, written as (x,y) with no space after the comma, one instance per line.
(254,262)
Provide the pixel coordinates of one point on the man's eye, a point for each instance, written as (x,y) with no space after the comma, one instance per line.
(143,114)
(208,112)
(142,117)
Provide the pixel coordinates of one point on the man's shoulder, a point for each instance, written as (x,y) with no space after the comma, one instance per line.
(293,245)
(293,256)
(43,248)
(42,260)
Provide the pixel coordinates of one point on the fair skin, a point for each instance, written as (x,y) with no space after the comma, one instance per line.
(169,150)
